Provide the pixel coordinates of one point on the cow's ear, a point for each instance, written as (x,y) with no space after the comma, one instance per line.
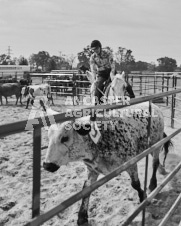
(82,129)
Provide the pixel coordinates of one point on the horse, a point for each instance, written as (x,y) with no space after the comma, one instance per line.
(113,91)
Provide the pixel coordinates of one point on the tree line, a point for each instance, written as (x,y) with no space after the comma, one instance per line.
(125,61)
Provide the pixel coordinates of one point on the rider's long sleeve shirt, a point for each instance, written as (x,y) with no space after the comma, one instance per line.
(102,61)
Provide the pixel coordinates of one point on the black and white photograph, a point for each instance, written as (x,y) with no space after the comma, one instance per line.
(90,113)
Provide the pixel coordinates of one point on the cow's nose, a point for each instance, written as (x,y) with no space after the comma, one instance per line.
(51,167)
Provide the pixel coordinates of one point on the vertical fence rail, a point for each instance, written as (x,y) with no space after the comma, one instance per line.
(163,81)
(140,85)
(132,81)
(172,112)
(173,103)
(167,87)
(154,84)
(74,90)
(146,163)
(36,172)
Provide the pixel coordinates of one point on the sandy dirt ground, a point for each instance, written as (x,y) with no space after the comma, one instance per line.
(109,205)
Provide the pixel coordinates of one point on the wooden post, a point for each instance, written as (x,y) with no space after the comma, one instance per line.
(36,172)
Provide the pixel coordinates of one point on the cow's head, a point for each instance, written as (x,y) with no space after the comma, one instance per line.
(66,144)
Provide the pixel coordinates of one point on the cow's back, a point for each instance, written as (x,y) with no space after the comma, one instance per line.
(124,134)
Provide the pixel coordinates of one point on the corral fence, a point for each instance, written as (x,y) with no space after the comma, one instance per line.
(154,82)
(145,84)
(38,219)
(72,83)
(65,83)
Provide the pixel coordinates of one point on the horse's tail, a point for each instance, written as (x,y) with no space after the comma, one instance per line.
(166,148)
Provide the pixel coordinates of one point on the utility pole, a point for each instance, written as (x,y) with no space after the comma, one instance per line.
(9,54)
(9,51)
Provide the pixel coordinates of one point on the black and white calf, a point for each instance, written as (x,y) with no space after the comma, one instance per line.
(30,92)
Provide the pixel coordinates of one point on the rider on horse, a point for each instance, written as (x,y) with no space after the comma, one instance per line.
(101,65)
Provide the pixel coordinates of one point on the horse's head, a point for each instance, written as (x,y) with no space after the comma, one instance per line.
(118,85)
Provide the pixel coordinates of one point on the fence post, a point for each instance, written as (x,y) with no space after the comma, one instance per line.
(172,111)
(173,103)
(175,82)
(140,85)
(163,83)
(36,171)
(132,81)
(74,88)
(167,87)
(146,163)
(154,84)
(56,83)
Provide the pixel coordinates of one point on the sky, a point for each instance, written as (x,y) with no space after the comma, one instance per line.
(150,28)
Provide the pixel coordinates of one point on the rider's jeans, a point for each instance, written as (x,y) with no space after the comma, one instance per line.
(99,87)
(102,77)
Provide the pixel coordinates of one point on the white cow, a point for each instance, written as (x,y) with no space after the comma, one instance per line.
(123,138)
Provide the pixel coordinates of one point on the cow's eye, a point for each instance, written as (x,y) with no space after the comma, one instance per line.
(64,139)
